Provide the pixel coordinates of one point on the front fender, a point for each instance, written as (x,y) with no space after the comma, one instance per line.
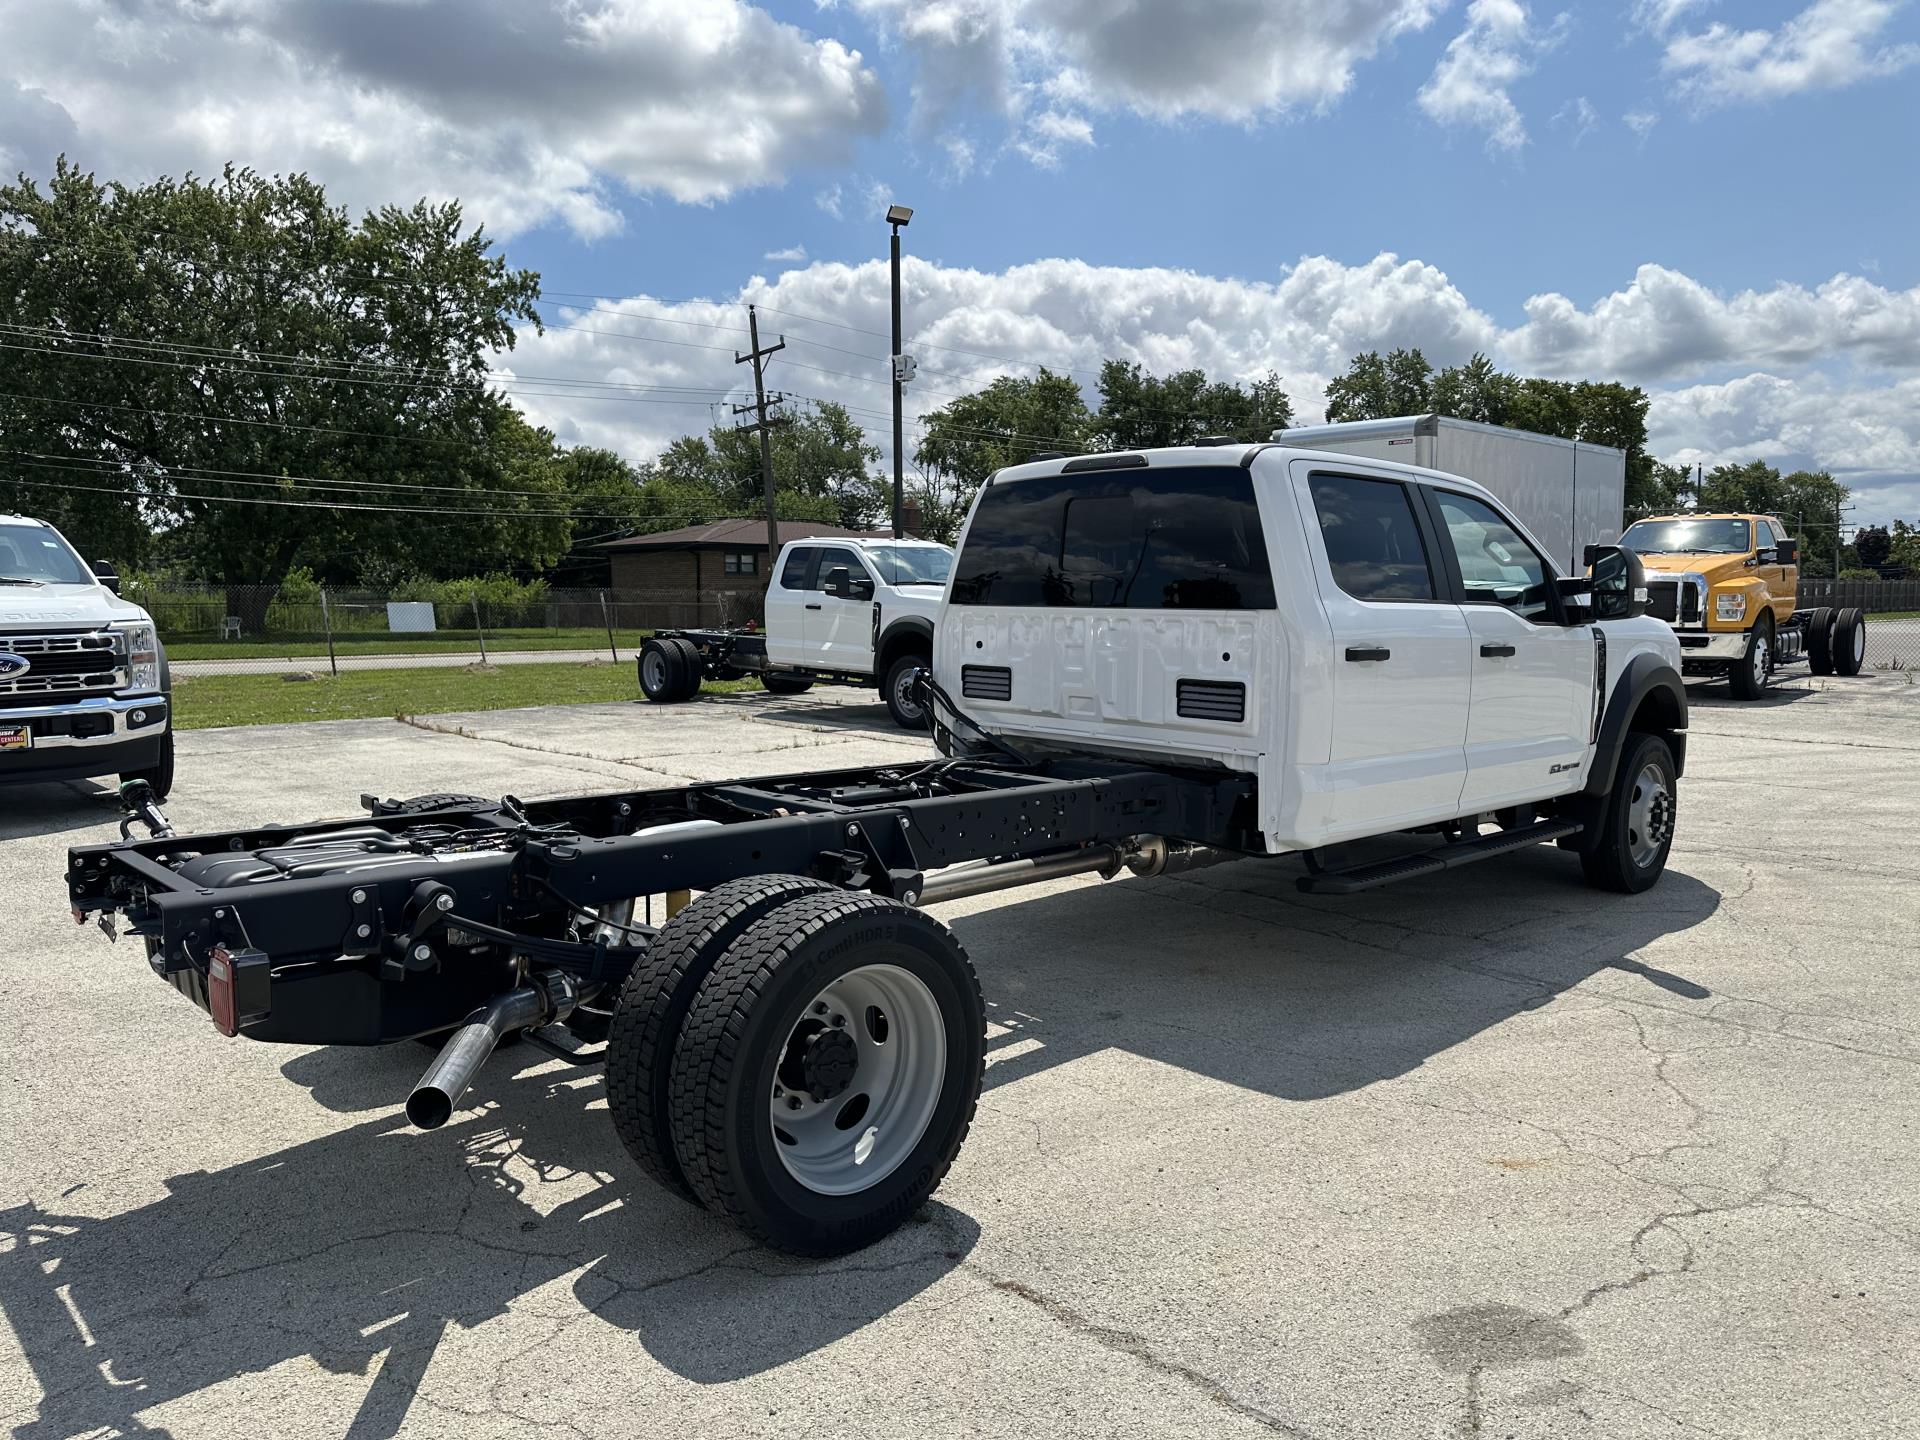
(1648,690)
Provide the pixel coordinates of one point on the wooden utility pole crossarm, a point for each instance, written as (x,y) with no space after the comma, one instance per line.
(763,424)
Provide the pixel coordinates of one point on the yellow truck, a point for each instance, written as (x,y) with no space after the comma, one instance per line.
(1728,584)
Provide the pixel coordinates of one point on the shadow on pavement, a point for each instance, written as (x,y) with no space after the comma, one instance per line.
(376,1240)
(29,810)
(1716,695)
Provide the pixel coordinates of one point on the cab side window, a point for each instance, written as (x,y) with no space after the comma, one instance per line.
(1497,567)
(1763,536)
(1373,542)
(834,556)
(793,575)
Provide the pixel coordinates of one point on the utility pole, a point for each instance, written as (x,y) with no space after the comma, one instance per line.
(762,424)
(897,216)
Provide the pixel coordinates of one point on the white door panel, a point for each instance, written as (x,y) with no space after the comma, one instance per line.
(787,599)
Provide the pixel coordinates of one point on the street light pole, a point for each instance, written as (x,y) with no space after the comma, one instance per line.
(897,217)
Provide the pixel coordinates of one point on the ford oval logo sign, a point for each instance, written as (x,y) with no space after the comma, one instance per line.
(12,665)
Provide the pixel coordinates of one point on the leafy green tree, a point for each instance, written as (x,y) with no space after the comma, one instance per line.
(1138,411)
(1477,390)
(1874,546)
(1905,550)
(1008,422)
(221,361)
(1664,489)
(822,469)
(1377,387)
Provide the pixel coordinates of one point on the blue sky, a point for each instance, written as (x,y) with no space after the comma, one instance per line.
(1709,198)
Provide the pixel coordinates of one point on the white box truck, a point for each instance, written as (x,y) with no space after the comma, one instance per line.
(1569,493)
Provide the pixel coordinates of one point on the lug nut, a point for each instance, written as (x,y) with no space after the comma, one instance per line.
(793,1102)
(820,1008)
(839,1020)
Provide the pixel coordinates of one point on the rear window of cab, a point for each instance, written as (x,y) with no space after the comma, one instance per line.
(1184,537)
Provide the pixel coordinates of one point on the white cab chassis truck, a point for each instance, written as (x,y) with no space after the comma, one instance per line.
(84,686)
(840,611)
(1146,663)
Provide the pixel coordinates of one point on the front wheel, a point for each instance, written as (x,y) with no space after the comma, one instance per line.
(1629,854)
(903,701)
(1753,672)
(160,777)
(828,1071)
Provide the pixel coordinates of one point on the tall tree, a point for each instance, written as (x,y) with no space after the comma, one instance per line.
(1874,546)
(226,359)
(1139,411)
(1380,387)
(1010,421)
(822,468)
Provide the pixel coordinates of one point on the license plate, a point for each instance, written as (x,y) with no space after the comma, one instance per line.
(16,737)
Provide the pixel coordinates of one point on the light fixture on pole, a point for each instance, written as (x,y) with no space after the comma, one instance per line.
(897,217)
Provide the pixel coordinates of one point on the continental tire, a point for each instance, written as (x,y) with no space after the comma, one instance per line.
(691,666)
(1636,820)
(1819,641)
(828,1072)
(655,1000)
(1849,645)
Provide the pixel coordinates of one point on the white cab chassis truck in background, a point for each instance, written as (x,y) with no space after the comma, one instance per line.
(84,685)
(1568,493)
(840,611)
(1146,662)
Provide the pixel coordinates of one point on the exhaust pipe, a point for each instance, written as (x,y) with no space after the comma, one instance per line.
(551,996)
(1145,856)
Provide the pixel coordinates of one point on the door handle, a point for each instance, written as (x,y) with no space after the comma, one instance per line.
(1495,652)
(1367,652)
(812,606)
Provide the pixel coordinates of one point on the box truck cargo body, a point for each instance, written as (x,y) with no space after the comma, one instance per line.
(1568,493)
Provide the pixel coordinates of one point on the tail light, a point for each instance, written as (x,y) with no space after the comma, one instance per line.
(238,988)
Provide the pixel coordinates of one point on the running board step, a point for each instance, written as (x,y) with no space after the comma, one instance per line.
(1432,862)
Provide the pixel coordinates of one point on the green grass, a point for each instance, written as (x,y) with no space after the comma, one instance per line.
(204,701)
(314,646)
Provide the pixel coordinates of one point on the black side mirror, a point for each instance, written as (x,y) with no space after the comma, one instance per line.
(863,589)
(104,572)
(1787,552)
(1618,581)
(839,583)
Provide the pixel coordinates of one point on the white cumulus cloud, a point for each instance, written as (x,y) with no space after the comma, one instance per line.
(527,110)
(1471,86)
(1827,46)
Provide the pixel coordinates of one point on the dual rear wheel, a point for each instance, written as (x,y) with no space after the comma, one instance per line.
(670,669)
(802,1060)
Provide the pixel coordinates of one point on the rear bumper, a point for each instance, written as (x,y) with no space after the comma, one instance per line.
(78,739)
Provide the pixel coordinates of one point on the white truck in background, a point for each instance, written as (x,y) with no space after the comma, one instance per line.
(1568,493)
(841,611)
(84,685)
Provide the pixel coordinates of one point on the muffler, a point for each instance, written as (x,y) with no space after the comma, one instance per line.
(548,996)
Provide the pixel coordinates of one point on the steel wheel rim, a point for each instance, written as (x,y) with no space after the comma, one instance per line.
(1650,809)
(1762,659)
(653,670)
(903,695)
(1859,644)
(855,1138)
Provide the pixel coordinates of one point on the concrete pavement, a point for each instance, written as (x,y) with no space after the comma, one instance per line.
(1489,1154)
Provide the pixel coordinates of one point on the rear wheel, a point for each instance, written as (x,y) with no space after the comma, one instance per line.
(785,684)
(160,776)
(654,1002)
(1849,644)
(691,667)
(828,1072)
(1819,641)
(1629,853)
(660,678)
(903,703)
(1753,672)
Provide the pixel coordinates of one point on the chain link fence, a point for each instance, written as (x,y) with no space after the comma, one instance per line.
(268,630)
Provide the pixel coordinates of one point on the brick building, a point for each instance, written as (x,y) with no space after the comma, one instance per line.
(704,574)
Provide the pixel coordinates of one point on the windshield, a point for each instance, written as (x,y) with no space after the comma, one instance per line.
(911,564)
(32,552)
(1687,537)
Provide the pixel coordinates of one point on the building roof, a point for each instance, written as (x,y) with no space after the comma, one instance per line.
(736,535)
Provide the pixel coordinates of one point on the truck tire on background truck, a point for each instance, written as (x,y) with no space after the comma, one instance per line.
(907,713)
(659,672)
(1753,671)
(1820,641)
(1848,646)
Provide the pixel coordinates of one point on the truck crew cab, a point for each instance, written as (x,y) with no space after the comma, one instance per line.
(1147,662)
(1728,584)
(84,685)
(842,611)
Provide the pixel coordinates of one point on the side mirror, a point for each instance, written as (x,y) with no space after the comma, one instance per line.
(104,572)
(839,583)
(1787,552)
(863,589)
(1618,583)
